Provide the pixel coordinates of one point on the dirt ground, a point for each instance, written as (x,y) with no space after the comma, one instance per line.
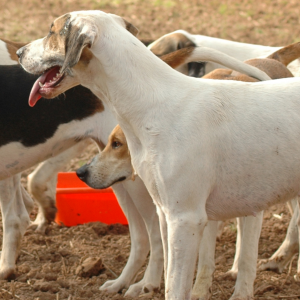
(46,267)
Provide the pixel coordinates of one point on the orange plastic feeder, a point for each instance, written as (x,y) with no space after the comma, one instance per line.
(77,203)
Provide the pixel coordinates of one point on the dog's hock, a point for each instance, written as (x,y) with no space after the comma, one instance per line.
(81,34)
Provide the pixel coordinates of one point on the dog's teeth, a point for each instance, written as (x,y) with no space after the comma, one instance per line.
(41,85)
(57,74)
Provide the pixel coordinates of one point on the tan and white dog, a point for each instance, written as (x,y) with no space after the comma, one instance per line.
(163,114)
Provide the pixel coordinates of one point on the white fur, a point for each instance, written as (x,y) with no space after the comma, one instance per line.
(240,51)
(225,171)
(5,58)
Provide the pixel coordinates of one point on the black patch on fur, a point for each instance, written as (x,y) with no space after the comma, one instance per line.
(34,125)
(196,69)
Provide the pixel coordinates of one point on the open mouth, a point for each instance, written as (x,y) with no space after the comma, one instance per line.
(45,85)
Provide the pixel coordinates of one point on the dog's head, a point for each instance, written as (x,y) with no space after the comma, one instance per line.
(112,165)
(66,51)
(175,41)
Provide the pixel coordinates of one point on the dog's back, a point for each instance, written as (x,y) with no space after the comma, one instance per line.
(275,65)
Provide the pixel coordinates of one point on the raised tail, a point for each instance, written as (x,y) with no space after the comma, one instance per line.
(204,54)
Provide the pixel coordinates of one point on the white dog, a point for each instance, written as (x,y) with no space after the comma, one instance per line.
(224,172)
(42,181)
(47,140)
(114,164)
(242,51)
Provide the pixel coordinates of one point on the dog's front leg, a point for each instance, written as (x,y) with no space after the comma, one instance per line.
(42,183)
(185,230)
(147,210)
(15,218)
(139,235)
(206,262)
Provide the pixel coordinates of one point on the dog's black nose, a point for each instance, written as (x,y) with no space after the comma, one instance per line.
(20,52)
(82,172)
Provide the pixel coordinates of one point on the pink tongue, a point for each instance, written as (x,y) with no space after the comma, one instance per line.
(34,94)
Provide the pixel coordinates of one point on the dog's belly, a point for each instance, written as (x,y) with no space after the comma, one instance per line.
(245,195)
(15,158)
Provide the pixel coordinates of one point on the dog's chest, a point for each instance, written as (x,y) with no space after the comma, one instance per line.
(15,158)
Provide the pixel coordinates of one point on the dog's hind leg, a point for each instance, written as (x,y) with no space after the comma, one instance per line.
(206,262)
(280,259)
(42,183)
(15,205)
(250,232)
(144,233)
(297,276)
(232,273)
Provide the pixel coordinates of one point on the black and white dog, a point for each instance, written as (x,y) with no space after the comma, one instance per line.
(55,131)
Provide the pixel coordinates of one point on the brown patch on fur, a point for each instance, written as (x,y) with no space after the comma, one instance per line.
(57,35)
(171,43)
(122,152)
(272,67)
(12,48)
(226,74)
(132,29)
(177,58)
(86,56)
(287,54)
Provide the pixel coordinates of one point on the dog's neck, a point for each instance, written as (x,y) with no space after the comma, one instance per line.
(135,84)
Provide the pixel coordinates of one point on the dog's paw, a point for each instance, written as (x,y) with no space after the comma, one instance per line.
(297,277)
(113,286)
(230,275)
(7,273)
(241,298)
(140,288)
(203,297)
(270,265)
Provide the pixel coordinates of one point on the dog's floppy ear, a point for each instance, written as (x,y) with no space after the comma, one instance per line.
(81,33)
(132,29)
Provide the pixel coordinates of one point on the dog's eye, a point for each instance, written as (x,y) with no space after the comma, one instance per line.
(116,144)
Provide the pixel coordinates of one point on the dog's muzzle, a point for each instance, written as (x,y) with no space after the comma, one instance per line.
(20,52)
(82,172)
